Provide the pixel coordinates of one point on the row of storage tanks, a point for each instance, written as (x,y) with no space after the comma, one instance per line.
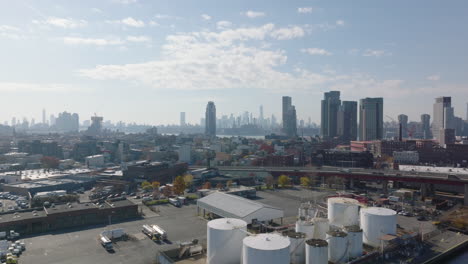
(337,239)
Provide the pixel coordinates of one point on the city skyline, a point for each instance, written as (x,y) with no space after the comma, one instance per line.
(101,55)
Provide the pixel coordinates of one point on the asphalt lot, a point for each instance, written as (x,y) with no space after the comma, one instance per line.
(81,245)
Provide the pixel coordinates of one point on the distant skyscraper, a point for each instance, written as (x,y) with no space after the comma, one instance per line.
(182,119)
(289,117)
(466,112)
(426,126)
(52,120)
(403,120)
(443,115)
(96,126)
(261,119)
(370,119)
(44,117)
(210,119)
(347,121)
(13,121)
(67,122)
(329,121)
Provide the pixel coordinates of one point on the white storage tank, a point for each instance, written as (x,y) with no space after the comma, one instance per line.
(343,211)
(297,247)
(306,227)
(322,226)
(337,246)
(224,240)
(376,222)
(354,241)
(316,251)
(268,248)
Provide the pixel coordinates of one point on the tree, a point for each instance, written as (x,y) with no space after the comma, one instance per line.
(167,191)
(284,181)
(188,179)
(179,185)
(269,181)
(50,162)
(207,185)
(146,186)
(305,181)
(228,184)
(155,185)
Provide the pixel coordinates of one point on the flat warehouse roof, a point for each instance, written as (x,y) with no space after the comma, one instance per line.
(227,205)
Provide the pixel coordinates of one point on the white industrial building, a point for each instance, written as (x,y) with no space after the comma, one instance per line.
(232,206)
(94,161)
(185,153)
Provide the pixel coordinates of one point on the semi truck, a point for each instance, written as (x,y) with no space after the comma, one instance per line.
(174,202)
(106,242)
(154,232)
(160,232)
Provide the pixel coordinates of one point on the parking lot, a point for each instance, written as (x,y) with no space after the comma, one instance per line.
(81,245)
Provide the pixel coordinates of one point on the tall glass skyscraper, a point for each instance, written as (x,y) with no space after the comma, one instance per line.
(371,119)
(329,119)
(210,119)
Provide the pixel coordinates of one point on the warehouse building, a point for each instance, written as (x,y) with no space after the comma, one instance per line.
(63,216)
(232,206)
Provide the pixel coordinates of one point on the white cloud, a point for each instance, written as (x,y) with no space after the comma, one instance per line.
(92,41)
(316,51)
(153,23)
(164,16)
(288,33)
(305,10)
(340,23)
(96,10)
(62,22)
(206,17)
(15,87)
(5,28)
(375,53)
(10,32)
(254,14)
(435,77)
(139,39)
(237,58)
(223,24)
(125,2)
(129,21)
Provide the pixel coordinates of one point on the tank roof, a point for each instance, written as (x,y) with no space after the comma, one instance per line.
(337,233)
(227,223)
(378,211)
(317,243)
(353,228)
(267,242)
(343,200)
(293,234)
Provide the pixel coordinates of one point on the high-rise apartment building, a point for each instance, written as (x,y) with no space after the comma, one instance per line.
(370,119)
(329,119)
(443,115)
(347,121)
(289,117)
(426,126)
(67,122)
(182,119)
(403,121)
(210,119)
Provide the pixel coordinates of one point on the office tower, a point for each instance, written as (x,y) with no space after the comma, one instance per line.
(210,119)
(67,122)
(273,121)
(52,120)
(182,119)
(403,121)
(261,119)
(426,126)
(443,115)
(96,126)
(289,117)
(287,102)
(370,119)
(13,121)
(347,121)
(329,120)
(44,117)
(446,136)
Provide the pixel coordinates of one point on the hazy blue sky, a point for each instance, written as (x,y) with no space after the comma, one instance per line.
(145,61)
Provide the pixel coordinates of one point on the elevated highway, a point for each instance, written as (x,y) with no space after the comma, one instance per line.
(426,179)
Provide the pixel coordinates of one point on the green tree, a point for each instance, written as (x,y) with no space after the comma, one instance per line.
(179,185)
(188,179)
(155,185)
(305,181)
(284,181)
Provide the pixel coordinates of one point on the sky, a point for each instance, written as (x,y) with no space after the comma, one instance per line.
(146,61)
